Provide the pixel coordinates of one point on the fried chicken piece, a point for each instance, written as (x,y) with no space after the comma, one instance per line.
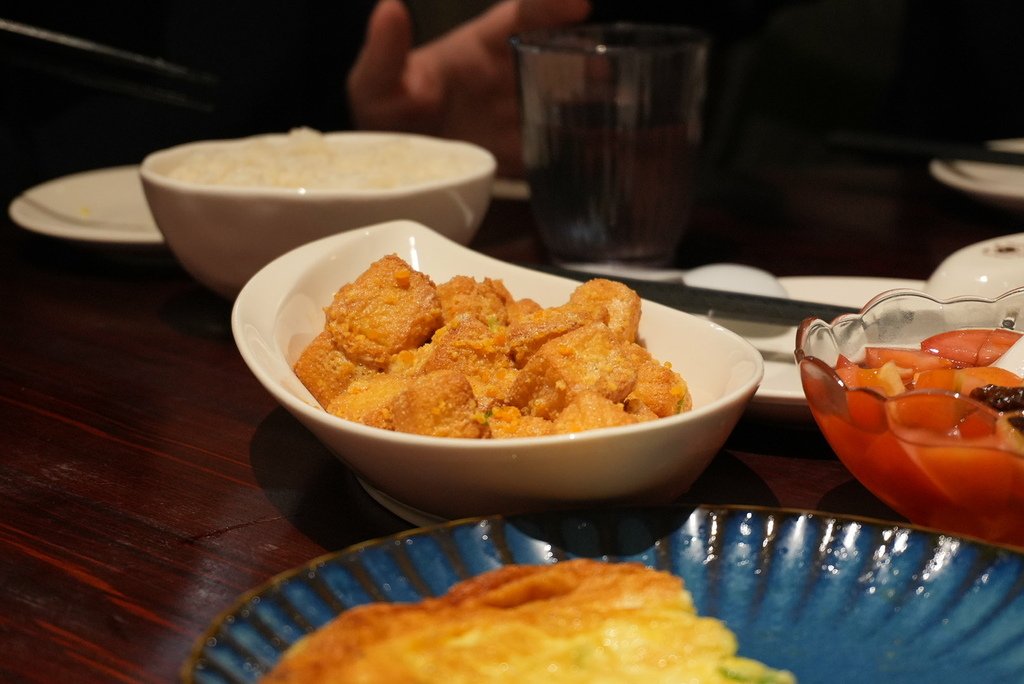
(478,351)
(466,359)
(636,407)
(597,300)
(486,300)
(621,305)
(439,404)
(410,361)
(661,390)
(532,331)
(519,309)
(387,309)
(323,369)
(591,358)
(507,421)
(368,399)
(589,411)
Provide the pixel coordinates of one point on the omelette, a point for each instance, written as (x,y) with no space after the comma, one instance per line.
(578,621)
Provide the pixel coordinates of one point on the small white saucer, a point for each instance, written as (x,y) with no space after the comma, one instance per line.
(101,206)
(999,185)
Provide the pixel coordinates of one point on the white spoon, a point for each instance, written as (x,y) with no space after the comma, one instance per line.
(735,278)
(718,276)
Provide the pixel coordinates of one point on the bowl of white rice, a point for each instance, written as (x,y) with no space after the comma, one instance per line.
(228,207)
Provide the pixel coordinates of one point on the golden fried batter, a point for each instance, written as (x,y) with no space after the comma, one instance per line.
(621,305)
(487,301)
(658,388)
(589,411)
(508,421)
(588,359)
(529,333)
(323,369)
(387,309)
(521,308)
(478,363)
(577,621)
(477,350)
(368,399)
(440,404)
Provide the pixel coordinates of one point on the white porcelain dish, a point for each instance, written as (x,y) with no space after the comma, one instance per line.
(281,309)
(222,234)
(998,185)
(780,396)
(100,206)
(984,269)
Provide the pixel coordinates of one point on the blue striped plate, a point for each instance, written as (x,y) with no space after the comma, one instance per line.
(832,599)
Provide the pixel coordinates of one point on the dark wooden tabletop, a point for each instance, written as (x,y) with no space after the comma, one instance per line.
(146,479)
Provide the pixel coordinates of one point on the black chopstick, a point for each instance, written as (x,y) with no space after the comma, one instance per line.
(899,146)
(123,57)
(104,67)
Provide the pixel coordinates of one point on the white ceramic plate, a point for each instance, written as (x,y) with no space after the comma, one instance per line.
(781,396)
(101,206)
(1000,185)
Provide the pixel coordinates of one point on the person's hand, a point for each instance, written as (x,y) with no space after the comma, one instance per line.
(461,85)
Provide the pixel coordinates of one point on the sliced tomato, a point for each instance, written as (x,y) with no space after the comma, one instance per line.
(867,411)
(965,380)
(931,412)
(971,346)
(886,379)
(844,362)
(996,345)
(914,360)
(937,378)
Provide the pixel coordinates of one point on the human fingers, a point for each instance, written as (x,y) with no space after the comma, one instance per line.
(380,66)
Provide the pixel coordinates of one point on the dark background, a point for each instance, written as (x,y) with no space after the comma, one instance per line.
(783,75)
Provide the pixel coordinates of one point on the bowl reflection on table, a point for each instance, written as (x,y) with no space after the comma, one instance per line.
(228,207)
(938,457)
(425,478)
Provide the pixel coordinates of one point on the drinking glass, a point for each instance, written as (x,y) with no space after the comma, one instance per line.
(611,117)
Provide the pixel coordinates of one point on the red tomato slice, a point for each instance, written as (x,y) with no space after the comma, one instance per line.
(964,380)
(996,345)
(937,378)
(885,380)
(914,359)
(971,346)
(844,362)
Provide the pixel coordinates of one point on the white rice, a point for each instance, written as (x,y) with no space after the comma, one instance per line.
(305,158)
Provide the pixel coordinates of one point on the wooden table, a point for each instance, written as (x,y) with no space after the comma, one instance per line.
(146,479)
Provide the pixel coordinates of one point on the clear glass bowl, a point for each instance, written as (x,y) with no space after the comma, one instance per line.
(939,458)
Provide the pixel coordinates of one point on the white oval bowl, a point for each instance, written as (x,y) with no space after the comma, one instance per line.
(223,234)
(280,310)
